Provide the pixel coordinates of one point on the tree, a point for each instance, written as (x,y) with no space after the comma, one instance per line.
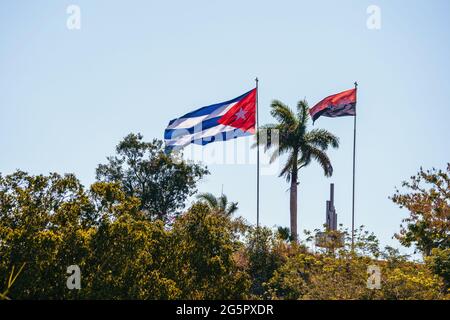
(204,248)
(428,201)
(127,253)
(343,275)
(265,252)
(439,262)
(218,204)
(145,171)
(428,224)
(48,223)
(127,260)
(45,223)
(300,145)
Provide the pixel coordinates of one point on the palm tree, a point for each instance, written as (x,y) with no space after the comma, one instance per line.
(300,145)
(218,204)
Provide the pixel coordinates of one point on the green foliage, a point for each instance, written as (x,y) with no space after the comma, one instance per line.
(48,223)
(206,243)
(341,273)
(428,202)
(343,276)
(146,172)
(12,278)
(284,233)
(51,222)
(428,225)
(439,262)
(127,261)
(45,222)
(220,204)
(265,253)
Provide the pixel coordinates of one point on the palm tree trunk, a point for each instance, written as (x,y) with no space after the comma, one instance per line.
(293,203)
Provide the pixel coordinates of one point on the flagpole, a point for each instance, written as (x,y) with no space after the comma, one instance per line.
(257,156)
(354,156)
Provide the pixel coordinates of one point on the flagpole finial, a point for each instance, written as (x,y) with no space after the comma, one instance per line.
(356,84)
(256,79)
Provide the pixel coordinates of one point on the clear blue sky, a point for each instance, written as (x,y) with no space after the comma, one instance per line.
(67,97)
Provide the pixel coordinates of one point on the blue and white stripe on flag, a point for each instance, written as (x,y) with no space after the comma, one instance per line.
(218,122)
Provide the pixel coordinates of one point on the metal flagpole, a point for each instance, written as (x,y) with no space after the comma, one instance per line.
(353,198)
(257,156)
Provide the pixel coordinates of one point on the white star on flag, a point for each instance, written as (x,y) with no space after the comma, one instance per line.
(240,114)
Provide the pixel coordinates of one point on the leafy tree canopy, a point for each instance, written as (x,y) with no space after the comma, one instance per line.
(428,202)
(145,171)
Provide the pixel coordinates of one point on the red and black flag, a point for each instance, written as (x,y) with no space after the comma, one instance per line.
(337,105)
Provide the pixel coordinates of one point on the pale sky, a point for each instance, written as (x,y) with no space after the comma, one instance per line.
(67,97)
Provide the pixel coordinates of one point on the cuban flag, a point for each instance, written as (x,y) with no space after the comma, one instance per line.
(337,105)
(218,122)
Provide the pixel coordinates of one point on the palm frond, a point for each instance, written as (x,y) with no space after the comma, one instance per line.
(322,139)
(322,158)
(283,114)
(232,208)
(303,112)
(209,199)
(218,205)
(223,201)
(294,140)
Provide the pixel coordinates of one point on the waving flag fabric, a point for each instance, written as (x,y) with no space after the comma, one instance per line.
(218,122)
(337,105)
